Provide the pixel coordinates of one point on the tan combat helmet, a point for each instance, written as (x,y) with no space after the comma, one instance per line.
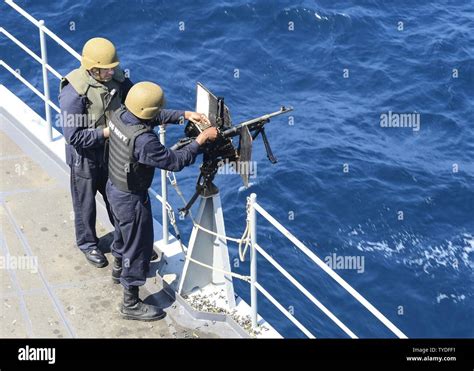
(145,100)
(99,53)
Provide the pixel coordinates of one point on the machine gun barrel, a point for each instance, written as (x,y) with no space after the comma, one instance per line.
(235,130)
(232,132)
(222,148)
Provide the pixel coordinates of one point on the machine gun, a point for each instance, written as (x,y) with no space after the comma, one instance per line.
(222,150)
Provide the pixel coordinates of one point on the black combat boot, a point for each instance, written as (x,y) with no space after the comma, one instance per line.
(117,270)
(134,308)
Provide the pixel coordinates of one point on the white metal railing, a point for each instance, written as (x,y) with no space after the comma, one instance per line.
(255,247)
(29,85)
(45,96)
(253,209)
(47,31)
(30,52)
(305,292)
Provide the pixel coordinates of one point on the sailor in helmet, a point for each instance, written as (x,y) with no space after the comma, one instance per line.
(135,152)
(87,96)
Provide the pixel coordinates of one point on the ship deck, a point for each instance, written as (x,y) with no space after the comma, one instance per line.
(47,288)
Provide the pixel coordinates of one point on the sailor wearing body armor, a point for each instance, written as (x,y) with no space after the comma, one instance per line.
(88,95)
(135,152)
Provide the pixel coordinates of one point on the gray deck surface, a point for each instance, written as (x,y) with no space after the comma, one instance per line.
(66,297)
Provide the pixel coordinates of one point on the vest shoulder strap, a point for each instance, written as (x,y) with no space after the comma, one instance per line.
(139,131)
(131,131)
(78,80)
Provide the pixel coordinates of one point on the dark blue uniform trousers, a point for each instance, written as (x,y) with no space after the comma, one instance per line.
(84,186)
(133,236)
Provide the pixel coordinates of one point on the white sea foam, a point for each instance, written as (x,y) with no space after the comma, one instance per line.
(453,297)
(320,17)
(410,250)
(243,188)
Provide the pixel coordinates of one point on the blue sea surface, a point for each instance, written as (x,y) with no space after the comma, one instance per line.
(401,199)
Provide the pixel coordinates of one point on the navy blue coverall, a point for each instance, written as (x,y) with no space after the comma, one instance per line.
(133,238)
(85,157)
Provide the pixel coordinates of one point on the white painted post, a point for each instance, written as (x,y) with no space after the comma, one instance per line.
(253,260)
(164,192)
(44,62)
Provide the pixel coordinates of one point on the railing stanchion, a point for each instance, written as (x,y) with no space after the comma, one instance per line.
(44,62)
(164,192)
(253,259)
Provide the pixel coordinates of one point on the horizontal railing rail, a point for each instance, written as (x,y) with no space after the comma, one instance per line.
(30,52)
(45,29)
(30,86)
(394,329)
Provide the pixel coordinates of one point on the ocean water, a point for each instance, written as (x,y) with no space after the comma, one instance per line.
(400,200)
